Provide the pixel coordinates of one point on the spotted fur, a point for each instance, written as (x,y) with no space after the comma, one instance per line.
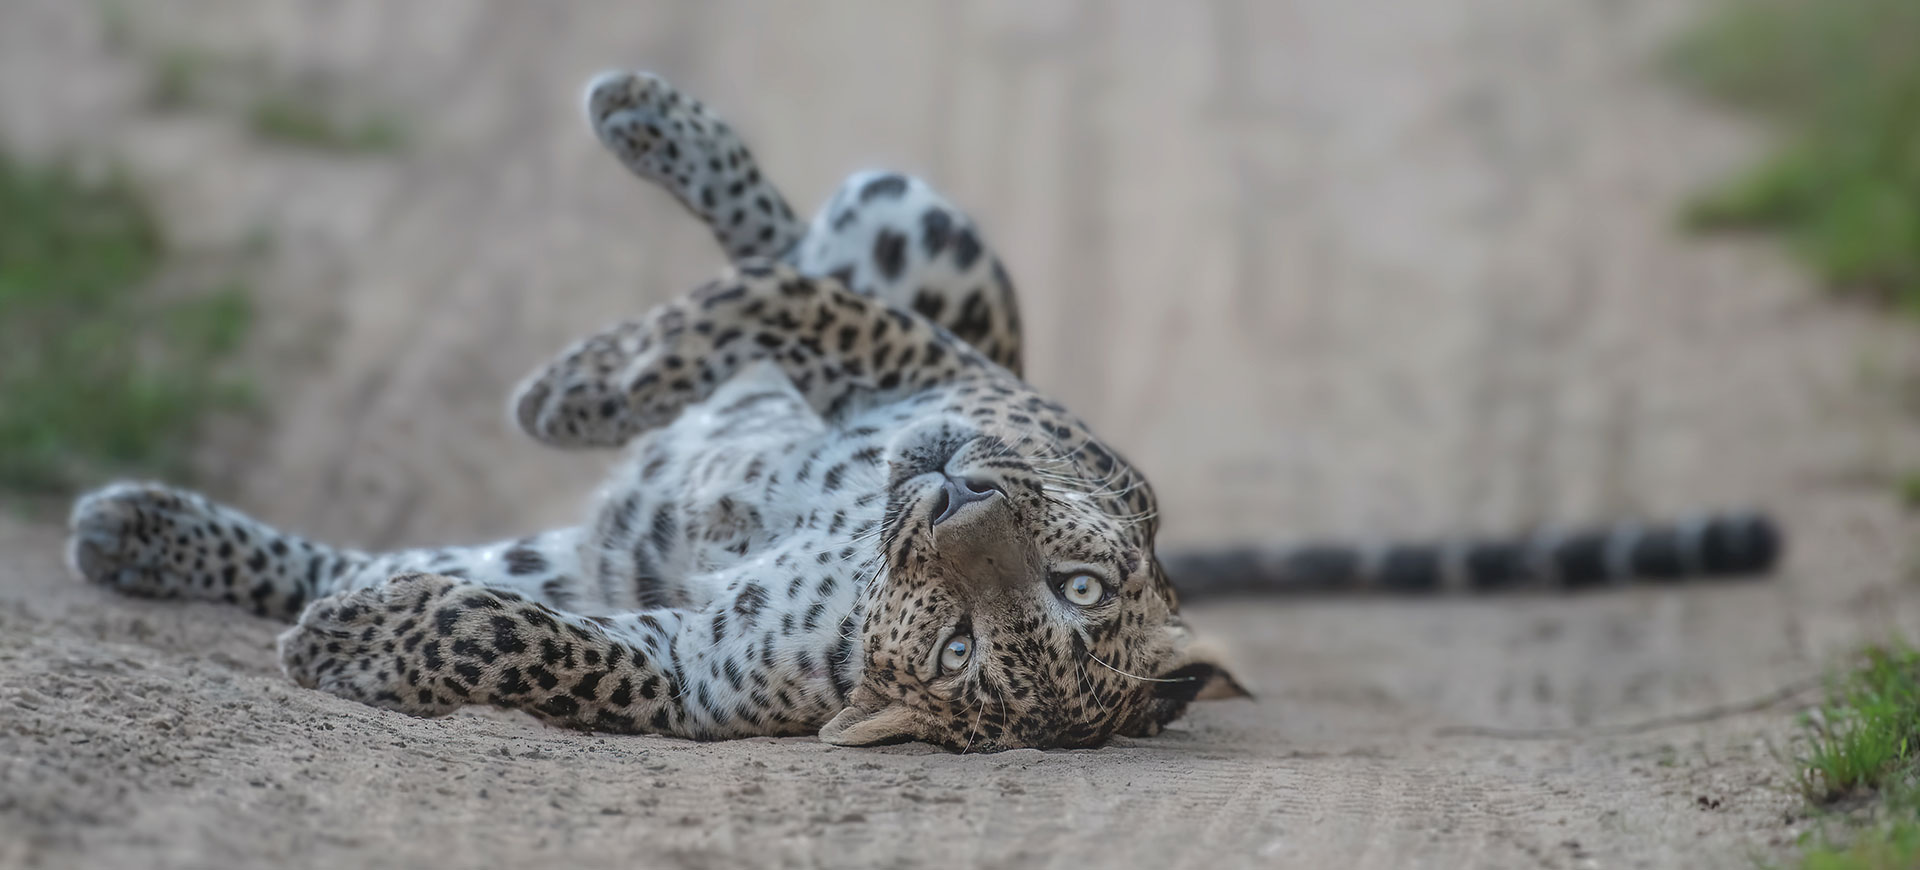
(782,550)
(882,234)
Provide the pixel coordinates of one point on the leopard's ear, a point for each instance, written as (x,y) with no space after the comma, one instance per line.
(894,723)
(1199,681)
(1197,673)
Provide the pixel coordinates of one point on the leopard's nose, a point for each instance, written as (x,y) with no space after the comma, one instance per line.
(957,494)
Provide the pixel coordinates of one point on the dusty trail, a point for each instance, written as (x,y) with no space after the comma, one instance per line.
(1321,268)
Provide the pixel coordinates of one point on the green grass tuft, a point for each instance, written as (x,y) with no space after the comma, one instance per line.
(1896,847)
(1842,79)
(1869,735)
(100,373)
(1866,743)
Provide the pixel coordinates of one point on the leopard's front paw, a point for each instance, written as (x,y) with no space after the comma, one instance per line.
(378,646)
(581,399)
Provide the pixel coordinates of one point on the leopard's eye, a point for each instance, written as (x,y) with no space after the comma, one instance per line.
(954,655)
(1083,590)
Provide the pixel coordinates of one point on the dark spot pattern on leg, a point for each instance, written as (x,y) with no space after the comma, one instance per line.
(889,254)
(936,227)
(523,560)
(889,186)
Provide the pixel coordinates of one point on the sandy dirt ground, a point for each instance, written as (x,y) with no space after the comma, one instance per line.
(1321,267)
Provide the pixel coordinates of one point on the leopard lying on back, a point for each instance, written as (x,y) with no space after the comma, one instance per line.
(841,512)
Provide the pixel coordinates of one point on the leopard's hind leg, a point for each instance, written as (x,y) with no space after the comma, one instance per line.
(164,542)
(883,234)
(671,139)
(892,236)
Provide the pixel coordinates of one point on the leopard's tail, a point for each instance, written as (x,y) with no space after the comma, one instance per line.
(1725,545)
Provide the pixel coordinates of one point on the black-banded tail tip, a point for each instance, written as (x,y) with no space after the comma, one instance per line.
(1713,546)
(1743,543)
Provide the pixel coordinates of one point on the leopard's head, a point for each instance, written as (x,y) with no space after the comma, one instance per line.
(1021,604)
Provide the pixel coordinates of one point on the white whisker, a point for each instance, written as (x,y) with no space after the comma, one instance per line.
(1137,676)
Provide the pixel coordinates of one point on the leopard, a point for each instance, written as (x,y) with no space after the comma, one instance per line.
(840,510)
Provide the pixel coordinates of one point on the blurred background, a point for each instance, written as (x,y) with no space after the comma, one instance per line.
(1321,273)
(1323,269)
